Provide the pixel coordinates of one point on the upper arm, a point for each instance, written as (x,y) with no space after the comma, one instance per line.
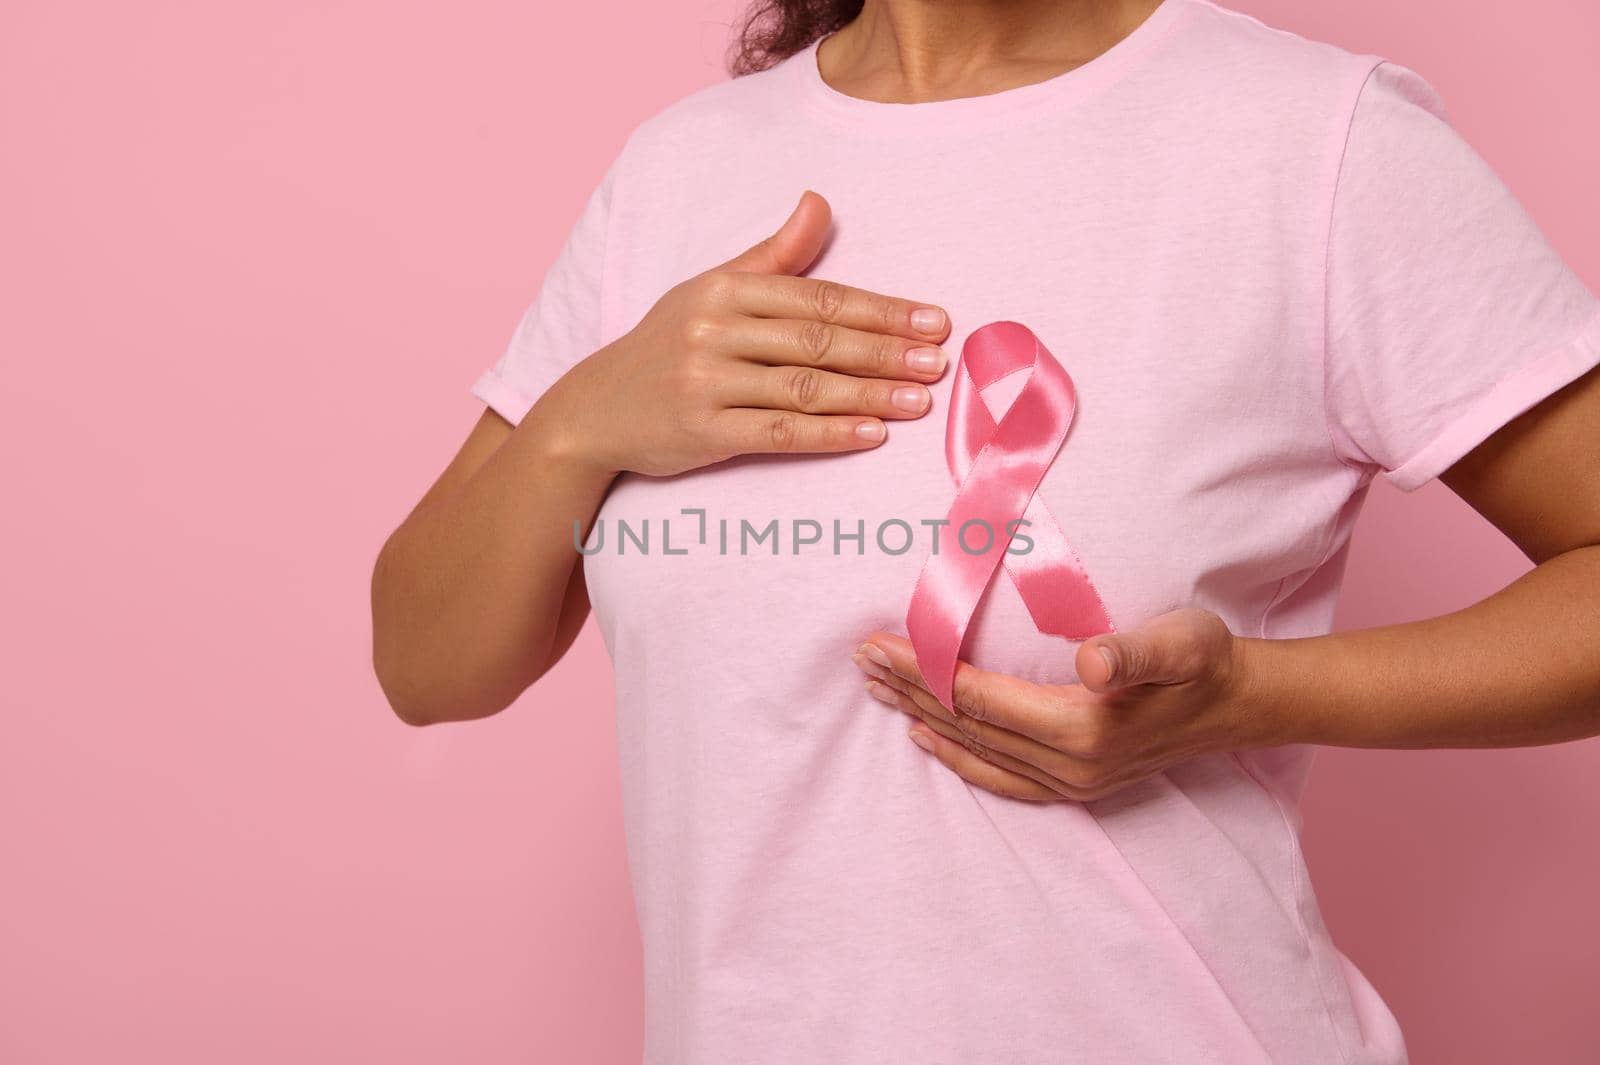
(1537,478)
(489,432)
(1458,340)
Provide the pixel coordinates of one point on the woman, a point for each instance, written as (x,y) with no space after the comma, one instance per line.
(1272,272)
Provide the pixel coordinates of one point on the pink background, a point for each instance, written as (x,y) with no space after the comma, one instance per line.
(253,255)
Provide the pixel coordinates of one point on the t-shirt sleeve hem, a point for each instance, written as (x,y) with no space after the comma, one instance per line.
(1519,392)
(501,397)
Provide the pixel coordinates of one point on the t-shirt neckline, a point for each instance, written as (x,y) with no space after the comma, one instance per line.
(999,108)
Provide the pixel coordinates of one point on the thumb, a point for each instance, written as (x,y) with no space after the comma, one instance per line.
(795,244)
(1166,650)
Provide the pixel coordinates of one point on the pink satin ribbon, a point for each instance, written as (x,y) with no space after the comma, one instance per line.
(997,470)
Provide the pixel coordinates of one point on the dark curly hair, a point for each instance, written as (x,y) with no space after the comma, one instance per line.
(773,30)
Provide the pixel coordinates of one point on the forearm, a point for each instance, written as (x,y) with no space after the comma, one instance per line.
(1519,668)
(472,592)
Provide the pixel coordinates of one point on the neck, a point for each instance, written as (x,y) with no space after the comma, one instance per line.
(913,51)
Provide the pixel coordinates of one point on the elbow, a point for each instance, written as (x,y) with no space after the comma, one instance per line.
(428,677)
(393,661)
(413,712)
(414,716)
(424,696)
(419,700)
(416,708)
(404,695)
(423,683)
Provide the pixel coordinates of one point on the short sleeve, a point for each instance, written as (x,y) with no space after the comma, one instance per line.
(1448,312)
(562,325)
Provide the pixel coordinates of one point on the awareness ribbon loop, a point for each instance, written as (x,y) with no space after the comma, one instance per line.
(997,469)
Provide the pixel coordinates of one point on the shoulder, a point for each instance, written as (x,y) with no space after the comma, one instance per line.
(1268,76)
(715,118)
(1270,71)
(1243,45)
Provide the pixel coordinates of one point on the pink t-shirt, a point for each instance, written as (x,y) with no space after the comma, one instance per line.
(1274,272)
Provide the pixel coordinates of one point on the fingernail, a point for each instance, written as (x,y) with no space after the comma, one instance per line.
(927,319)
(882,692)
(871,669)
(922,740)
(874,652)
(1110,660)
(870,431)
(910,399)
(925,360)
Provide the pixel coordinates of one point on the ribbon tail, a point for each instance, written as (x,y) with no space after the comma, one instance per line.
(953,581)
(1054,583)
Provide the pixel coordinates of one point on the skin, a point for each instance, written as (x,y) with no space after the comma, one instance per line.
(1519,668)
(477,593)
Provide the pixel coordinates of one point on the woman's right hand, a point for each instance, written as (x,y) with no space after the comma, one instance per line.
(749,357)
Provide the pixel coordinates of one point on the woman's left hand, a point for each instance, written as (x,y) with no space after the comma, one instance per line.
(1148,698)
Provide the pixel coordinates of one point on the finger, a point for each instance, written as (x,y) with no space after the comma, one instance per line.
(979,771)
(814,299)
(1047,764)
(949,732)
(750,432)
(1078,781)
(812,391)
(1096,789)
(997,698)
(794,245)
(793,342)
(1168,649)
